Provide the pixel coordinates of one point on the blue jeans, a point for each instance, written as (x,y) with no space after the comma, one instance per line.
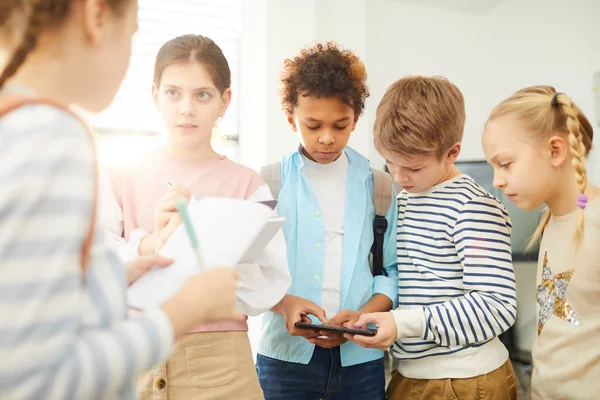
(323,378)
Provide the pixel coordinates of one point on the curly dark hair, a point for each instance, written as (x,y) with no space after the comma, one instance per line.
(325,70)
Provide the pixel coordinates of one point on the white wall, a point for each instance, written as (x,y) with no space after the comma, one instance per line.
(594,160)
(272,30)
(517,44)
(344,21)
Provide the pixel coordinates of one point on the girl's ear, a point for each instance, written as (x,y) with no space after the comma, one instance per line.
(225,100)
(291,121)
(95,13)
(558,149)
(155,95)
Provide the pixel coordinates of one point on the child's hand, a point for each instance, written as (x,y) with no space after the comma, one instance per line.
(166,219)
(204,298)
(166,207)
(386,330)
(139,266)
(296,309)
(165,233)
(345,318)
(334,339)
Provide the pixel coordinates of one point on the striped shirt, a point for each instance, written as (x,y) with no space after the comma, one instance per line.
(456,281)
(63,335)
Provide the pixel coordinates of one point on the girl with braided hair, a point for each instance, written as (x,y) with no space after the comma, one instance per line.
(64,333)
(537,140)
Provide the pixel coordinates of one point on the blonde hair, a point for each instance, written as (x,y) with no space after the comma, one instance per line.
(420,115)
(544,112)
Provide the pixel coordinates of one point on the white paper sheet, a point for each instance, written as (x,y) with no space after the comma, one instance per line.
(229,231)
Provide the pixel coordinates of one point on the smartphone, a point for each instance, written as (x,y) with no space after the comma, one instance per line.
(338,329)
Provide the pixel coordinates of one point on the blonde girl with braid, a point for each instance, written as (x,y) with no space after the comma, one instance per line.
(537,140)
(64,333)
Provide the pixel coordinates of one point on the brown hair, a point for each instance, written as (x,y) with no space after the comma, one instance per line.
(10,9)
(420,115)
(542,117)
(325,70)
(7,7)
(195,48)
(42,15)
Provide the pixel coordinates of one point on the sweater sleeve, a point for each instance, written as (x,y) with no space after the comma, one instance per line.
(111,217)
(263,282)
(60,337)
(388,284)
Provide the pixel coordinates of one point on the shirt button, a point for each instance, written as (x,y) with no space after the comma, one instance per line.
(316,277)
(318,245)
(161,383)
(318,213)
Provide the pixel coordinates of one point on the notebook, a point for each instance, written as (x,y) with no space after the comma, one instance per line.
(229,231)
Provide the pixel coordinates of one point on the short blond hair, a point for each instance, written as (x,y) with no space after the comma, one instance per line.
(420,115)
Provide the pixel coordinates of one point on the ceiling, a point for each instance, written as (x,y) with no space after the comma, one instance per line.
(470,6)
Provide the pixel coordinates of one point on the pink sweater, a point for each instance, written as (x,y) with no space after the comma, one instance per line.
(138,188)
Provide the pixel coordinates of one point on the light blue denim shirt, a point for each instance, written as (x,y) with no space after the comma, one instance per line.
(303,228)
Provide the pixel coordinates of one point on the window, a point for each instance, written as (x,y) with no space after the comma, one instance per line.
(131,124)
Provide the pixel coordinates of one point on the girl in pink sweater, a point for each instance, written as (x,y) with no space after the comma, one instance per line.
(191,90)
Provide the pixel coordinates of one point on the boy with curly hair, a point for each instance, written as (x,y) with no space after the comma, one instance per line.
(326,196)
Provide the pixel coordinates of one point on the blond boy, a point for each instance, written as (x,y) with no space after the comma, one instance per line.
(456,282)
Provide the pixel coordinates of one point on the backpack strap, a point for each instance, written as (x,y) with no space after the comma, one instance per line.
(382,199)
(271,174)
(9,103)
(382,191)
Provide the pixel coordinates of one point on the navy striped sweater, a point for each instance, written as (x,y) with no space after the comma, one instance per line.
(456,281)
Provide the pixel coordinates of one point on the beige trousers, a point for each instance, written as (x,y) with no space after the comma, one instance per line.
(204,366)
(500,384)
